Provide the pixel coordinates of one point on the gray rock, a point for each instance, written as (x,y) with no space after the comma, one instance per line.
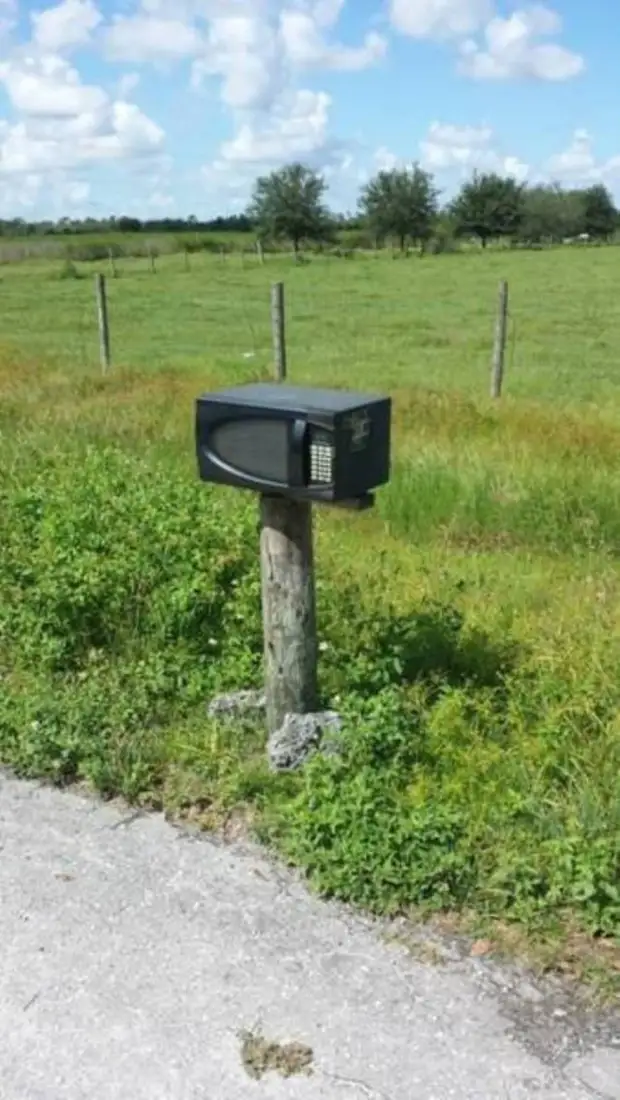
(301,736)
(238,704)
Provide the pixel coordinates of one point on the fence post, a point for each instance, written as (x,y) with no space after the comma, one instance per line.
(260,252)
(104,327)
(499,350)
(278,328)
(289,608)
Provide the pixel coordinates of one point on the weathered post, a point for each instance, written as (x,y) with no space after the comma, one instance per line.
(260,252)
(499,350)
(289,608)
(104,327)
(293,446)
(278,328)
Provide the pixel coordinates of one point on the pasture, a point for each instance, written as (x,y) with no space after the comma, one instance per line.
(470,625)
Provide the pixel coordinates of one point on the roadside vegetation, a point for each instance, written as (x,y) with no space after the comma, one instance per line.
(469,625)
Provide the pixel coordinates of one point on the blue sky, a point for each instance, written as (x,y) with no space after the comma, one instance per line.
(162,107)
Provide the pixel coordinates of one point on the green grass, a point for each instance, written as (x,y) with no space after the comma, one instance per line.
(470,623)
(404,323)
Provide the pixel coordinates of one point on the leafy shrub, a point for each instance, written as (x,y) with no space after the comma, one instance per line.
(472,772)
(69,271)
(94,250)
(113,554)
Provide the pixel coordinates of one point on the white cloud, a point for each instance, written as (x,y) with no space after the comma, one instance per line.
(258,51)
(466,148)
(142,38)
(8,16)
(243,51)
(66,26)
(577,164)
(127,84)
(160,201)
(385,160)
(490,46)
(75,192)
(512,51)
(49,87)
(304,45)
(327,12)
(17,197)
(62,122)
(439,18)
(64,194)
(121,132)
(296,129)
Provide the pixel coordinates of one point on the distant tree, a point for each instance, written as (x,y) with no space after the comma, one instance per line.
(488,206)
(400,203)
(231,223)
(129,225)
(289,204)
(600,217)
(551,214)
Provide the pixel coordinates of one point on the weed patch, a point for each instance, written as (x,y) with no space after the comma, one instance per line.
(472,774)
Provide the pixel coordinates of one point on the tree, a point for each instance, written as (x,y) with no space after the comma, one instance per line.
(488,206)
(600,217)
(289,203)
(551,214)
(402,203)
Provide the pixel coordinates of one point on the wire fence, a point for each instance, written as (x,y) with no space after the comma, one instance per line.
(431,323)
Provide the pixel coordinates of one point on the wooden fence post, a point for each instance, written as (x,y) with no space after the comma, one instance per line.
(499,350)
(289,608)
(104,327)
(260,252)
(278,328)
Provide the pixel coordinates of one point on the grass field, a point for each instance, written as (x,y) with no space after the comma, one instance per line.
(470,624)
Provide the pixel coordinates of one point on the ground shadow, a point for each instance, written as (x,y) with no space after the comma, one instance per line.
(432,645)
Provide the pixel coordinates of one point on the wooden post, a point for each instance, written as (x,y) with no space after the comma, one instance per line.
(289,608)
(499,350)
(260,252)
(104,327)
(278,328)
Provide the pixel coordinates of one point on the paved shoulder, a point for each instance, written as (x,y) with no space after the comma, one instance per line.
(136,958)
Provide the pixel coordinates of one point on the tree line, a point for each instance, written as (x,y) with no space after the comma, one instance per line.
(18,227)
(401,205)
